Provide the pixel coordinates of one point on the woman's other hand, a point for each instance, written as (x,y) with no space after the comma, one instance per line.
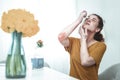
(82,15)
(83,33)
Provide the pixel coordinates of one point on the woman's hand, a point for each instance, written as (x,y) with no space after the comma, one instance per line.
(83,33)
(83,14)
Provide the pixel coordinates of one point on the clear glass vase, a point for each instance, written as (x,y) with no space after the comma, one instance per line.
(15,62)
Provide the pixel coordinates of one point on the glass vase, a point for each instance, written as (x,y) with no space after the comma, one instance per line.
(15,62)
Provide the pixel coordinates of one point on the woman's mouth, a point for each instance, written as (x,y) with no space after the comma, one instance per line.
(87,23)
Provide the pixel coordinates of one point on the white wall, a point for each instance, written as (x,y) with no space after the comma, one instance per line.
(111,15)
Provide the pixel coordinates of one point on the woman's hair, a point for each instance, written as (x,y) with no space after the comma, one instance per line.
(98,36)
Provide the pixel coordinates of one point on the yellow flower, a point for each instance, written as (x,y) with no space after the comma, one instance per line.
(21,21)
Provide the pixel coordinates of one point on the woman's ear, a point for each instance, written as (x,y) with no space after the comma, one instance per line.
(97,30)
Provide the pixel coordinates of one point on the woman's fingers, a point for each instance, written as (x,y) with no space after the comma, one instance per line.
(84,13)
(83,32)
(86,33)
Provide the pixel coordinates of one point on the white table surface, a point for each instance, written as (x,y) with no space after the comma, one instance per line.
(44,73)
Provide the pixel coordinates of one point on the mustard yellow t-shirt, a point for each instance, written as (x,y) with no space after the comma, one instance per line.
(76,69)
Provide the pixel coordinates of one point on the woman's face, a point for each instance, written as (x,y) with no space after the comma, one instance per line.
(91,23)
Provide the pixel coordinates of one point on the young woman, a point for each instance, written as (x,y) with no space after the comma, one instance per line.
(87,51)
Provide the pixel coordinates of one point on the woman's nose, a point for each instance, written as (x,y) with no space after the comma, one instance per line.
(88,20)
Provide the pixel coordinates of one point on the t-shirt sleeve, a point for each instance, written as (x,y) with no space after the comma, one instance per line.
(68,49)
(98,52)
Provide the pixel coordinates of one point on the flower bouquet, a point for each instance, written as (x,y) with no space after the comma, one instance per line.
(20,23)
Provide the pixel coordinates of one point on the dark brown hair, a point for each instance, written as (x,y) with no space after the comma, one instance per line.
(98,36)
